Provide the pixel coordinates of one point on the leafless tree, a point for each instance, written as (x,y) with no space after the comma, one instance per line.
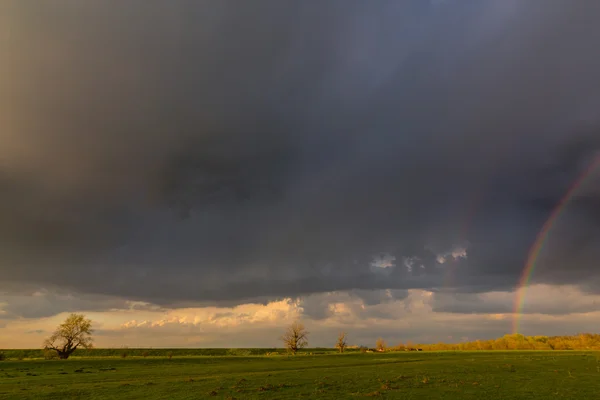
(75,332)
(380,345)
(341,342)
(295,337)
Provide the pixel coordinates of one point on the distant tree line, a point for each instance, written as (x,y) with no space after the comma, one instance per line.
(582,341)
(296,337)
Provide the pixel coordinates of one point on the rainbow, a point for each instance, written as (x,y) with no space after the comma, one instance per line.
(540,241)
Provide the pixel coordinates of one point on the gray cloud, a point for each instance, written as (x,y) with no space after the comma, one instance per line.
(24,302)
(35,332)
(540,300)
(198,152)
(320,305)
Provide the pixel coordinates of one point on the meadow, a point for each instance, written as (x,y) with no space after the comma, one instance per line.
(394,375)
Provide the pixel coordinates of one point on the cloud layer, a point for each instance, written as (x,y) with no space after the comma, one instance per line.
(197,153)
(419,316)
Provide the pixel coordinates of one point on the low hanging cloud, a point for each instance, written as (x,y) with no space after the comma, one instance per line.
(35,303)
(539,299)
(218,153)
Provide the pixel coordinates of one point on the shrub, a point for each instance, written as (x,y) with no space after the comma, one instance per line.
(399,347)
(49,354)
(2,356)
(239,352)
(170,355)
(145,353)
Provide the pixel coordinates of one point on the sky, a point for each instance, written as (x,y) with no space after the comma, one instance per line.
(201,174)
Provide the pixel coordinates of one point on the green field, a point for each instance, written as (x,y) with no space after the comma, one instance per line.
(408,375)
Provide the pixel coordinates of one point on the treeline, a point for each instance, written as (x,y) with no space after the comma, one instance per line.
(20,354)
(582,341)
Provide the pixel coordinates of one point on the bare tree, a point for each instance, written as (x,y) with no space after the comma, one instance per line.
(380,345)
(295,337)
(341,342)
(75,332)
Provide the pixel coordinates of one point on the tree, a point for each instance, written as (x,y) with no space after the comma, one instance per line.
(341,342)
(380,345)
(75,332)
(295,337)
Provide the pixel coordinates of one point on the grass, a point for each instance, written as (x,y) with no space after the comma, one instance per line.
(427,375)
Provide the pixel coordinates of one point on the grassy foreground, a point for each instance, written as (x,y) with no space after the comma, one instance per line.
(435,375)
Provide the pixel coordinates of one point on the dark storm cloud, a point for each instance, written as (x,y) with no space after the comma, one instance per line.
(223,151)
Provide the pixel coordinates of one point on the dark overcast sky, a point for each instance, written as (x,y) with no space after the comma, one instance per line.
(219,151)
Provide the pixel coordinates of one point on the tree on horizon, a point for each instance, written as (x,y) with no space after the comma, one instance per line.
(75,332)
